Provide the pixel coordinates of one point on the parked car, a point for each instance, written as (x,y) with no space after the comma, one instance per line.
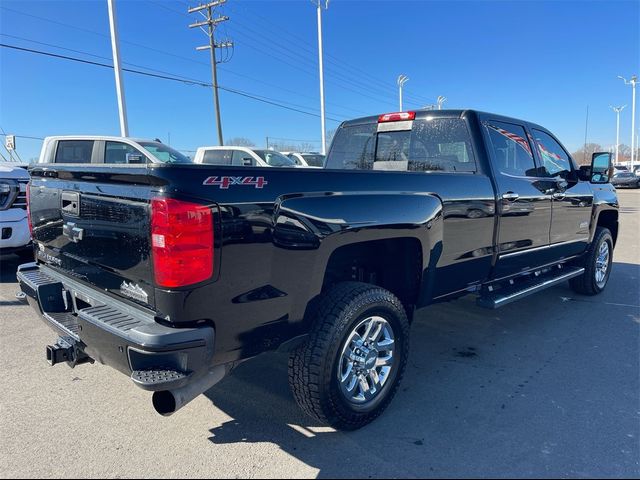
(315,160)
(211,265)
(14,225)
(625,179)
(242,157)
(107,150)
(636,170)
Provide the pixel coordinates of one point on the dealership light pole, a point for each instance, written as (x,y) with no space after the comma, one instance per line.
(617,110)
(402,79)
(122,106)
(320,66)
(632,82)
(441,100)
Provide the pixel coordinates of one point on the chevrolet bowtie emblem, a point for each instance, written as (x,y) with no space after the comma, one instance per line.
(73,232)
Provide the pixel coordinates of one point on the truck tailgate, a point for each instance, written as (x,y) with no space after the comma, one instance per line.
(94,225)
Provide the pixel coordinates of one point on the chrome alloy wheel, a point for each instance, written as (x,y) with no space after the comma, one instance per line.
(602,264)
(367,360)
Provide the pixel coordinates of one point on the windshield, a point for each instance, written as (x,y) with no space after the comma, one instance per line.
(164,153)
(313,160)
(275,159)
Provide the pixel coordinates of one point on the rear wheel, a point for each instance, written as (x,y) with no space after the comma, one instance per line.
(349,370)
(597,265)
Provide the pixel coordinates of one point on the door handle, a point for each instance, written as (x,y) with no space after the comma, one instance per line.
(559,195)
(510,196)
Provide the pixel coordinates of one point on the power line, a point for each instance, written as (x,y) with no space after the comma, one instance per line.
(266,100)
(23,136)
(93,55)
(86,30)
(300,42)
(280,29)
(255,41)
(211,24)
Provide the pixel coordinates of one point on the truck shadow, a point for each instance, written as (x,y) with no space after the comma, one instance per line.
(475,382)
(9,266)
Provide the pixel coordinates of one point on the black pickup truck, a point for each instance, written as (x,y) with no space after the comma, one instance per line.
(173,273)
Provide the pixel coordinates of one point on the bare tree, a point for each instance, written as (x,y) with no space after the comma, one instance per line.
(307,147)
(240,142)
(583,155)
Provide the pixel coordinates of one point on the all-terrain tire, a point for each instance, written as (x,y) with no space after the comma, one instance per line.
(313,367)
(586,284)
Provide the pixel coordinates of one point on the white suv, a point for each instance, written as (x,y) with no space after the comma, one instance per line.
(15,236)
(242,157)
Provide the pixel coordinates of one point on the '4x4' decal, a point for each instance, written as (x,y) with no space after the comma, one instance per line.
(226,182)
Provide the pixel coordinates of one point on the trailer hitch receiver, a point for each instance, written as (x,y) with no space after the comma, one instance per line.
(66,350)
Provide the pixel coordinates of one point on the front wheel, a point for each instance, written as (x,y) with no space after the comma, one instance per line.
(349,370)
(597,265)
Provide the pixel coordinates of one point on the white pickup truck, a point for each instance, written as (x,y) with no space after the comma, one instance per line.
(14,226)
(242,157)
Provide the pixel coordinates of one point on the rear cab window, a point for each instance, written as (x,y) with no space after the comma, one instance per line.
(431,145)
(74,151)
(313,160)
(218,157)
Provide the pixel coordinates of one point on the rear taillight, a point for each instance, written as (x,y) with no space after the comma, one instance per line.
(181,242)
(396,117)
(29,208)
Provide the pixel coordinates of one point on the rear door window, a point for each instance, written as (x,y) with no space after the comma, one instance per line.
(242,159)
(512,154)
(217,157)
(122,153)
(74,151)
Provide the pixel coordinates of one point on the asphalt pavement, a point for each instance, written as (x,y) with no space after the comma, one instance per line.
(545,387)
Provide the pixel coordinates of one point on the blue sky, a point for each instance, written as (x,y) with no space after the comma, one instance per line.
(543,61)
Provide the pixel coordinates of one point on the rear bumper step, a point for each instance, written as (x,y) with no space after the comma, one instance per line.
(512,293)
(156,357)
(156,379)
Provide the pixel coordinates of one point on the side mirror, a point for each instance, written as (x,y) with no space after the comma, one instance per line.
(601,167)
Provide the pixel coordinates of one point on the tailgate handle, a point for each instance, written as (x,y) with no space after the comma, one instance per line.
(44,172)
(71,203)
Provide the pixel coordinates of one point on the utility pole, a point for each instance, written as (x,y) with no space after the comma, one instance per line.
(211,24)
(402,79)
(586,129)
(321,68)
(441,100)
(617,110)
(122,107)
(632,82)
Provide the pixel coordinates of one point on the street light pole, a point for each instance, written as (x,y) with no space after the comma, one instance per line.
(122,106)
(632,82)
(402,79)
(441,100)
(617,110)
(321,68)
